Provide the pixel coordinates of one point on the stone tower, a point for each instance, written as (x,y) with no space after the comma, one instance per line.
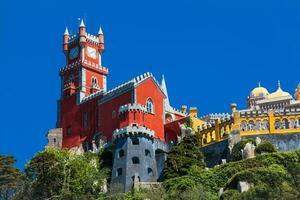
(134,157)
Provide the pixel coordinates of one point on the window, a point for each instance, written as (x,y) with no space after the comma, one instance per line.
(121,153)
(149,105)
(135,141)
(69,132)
(147,152)
(94,82)
(113,114)
(135,160)
(85,119)
(119,172)
(54,140)
(150,172)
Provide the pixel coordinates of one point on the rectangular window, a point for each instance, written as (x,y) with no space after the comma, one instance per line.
(69,131)
(85,119)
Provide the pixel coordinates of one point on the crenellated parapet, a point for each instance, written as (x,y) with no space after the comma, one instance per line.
(213,116)
(255,122)
(132,107)
(133,131)
(85,63)
(216,131)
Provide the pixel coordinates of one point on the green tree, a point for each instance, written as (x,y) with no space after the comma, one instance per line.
(183,156)
(10,177)
(61,174)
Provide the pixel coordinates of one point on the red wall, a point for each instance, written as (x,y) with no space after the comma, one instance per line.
(145,90)
(107,123)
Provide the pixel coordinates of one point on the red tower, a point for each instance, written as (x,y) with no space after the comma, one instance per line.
(86,110)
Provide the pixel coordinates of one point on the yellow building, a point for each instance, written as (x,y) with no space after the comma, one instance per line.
(266,113)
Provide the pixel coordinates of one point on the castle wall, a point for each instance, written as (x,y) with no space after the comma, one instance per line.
(283,142)
(214,153)
(148,89)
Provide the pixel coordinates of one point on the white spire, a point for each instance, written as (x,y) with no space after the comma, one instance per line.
(164,89)
(279,85)
(66,31)
(82,23)
(100,32)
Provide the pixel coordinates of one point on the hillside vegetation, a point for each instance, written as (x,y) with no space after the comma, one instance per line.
(59,174)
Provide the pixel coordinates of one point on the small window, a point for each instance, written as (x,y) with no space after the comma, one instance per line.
(94,82)
(69,131)
(135,141)
(113,114)
(135,160)
(147,152)
(54,140)
(150,172)
(121,153)
(149,105)
(85,119)
(119,172)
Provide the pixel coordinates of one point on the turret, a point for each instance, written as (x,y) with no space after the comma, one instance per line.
(66,41)
(82,33)
(101,40)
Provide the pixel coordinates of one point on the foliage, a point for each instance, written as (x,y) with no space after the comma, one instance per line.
(61,174)
(182,156)
(265,147)
(272,175)
(10,177)
(189,122)
(236,153)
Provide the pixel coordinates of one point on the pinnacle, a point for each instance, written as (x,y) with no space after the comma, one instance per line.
(66,31)
(82,23)
(100,32)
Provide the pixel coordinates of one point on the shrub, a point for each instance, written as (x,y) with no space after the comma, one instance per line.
(265,147)
(236,153)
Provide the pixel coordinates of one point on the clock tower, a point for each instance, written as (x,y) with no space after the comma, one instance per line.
(83,74)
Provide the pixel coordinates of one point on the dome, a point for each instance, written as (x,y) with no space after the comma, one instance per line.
(279,93)
(259,92)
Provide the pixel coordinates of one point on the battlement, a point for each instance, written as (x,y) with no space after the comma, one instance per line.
(92,39)
(84,63)
(132,107)
(133,131)
(214,116)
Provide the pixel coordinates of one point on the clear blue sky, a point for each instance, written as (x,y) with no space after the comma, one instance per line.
(212,52)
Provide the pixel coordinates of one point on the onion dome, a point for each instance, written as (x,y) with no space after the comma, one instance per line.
(279,93)
(259,92)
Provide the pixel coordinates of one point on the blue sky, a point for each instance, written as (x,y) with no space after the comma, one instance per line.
(212,53)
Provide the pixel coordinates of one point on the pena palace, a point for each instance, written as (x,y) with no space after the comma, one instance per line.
(136,119)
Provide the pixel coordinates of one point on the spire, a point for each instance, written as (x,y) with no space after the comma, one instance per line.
(82,23)
(259,84)
(66,31)
(100,32)
(279,85)
(164,89)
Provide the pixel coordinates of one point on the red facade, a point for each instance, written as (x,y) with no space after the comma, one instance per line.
(86,109)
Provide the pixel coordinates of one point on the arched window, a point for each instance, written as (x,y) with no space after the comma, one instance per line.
(94,82)
(150,172)
(147,152)
(149,105)
(135,141)
(54,140)
(135,160)
(121,153)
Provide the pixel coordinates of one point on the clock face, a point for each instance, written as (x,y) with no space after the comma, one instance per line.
(91,52)
(74,52)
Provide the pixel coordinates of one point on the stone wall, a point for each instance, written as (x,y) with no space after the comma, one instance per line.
(283,142)
(214,153)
